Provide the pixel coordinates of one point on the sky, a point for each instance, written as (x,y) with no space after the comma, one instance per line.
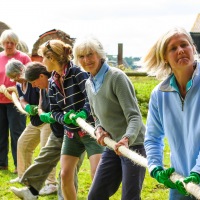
(137,24)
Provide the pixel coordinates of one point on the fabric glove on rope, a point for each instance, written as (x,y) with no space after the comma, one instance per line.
(46,117)
(82,114)
(67,120)
(194,177)
(162,176)
(31,109)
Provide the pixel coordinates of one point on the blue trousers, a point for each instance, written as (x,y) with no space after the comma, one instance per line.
(11,120)
(114,170)
(175,195)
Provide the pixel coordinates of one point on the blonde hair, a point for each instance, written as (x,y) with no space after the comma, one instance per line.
(57,49)
(9,35)
(154,61)
(83,46)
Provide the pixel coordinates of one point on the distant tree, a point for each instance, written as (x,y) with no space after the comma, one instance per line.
(129,60)
(132,61)
(136,59)
(111,57)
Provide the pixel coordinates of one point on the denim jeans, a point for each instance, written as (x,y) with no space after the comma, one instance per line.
(13,122)
(175,195)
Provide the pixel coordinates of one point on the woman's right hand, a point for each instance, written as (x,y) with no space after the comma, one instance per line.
(101,134)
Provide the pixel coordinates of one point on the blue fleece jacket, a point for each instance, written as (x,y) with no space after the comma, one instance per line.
(179,120)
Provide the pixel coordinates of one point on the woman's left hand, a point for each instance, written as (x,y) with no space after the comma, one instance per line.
(122,142)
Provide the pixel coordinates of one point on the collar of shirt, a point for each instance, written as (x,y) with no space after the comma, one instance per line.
(59,80)
(98,79)
(175,86)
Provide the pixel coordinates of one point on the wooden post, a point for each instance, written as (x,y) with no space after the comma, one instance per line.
(120,54)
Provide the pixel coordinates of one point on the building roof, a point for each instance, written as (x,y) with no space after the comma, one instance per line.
(49,35)
(196,25)
(3,27)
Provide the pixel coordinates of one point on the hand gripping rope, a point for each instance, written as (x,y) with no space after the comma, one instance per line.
(13,96)
(191,188)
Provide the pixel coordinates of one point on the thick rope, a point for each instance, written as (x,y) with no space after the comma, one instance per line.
(6,91)
(18,104)
(191,188)
(13,96)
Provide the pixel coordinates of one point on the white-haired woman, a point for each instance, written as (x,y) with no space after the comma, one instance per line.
(173,110)
(9,116)
(115,109)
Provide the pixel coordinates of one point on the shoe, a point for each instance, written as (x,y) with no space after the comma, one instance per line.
(48,189)
(15,180)
(3,167)
(23,193)
(15,171)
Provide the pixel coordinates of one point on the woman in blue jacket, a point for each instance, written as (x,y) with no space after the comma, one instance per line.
(173,111)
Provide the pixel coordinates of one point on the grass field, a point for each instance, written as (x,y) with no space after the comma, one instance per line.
(151,189)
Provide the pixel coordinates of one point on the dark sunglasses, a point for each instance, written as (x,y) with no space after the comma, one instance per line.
(47,45)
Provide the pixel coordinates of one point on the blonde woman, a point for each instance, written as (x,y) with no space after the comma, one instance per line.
(173,111)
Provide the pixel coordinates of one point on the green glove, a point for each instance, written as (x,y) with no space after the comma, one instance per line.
(194,177)
(31,109)
(162,176)
(46,117)
(67,120)
(180,187)
(82,114)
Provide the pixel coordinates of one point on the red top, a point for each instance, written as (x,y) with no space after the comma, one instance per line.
(4,80)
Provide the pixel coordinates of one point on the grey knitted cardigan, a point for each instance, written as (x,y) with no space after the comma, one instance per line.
(115,107)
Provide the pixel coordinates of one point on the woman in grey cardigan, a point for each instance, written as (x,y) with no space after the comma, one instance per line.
(117,115)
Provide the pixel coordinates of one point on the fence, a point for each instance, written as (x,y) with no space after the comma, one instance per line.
(136,73)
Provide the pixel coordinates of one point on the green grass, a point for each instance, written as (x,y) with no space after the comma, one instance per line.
(143,87)
(152,190)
